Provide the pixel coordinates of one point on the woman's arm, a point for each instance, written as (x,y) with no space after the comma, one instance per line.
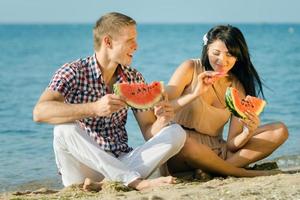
(241,130)
(237,135)
(180,79)
(183,77)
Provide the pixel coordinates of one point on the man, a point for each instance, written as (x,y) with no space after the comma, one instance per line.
(90,140)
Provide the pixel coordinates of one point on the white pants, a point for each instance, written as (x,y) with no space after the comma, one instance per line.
(78,156)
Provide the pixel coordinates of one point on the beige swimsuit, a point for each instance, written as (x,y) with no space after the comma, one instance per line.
(204,121)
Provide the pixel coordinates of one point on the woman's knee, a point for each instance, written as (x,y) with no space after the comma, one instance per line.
(277,133)
(281,132)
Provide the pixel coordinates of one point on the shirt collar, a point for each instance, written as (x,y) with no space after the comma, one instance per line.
(96,70)
(95,67)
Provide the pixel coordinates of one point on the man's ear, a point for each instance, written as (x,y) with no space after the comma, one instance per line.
(107,41)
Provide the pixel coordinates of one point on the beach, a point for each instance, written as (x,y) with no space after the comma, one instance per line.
(280,186)
(27,161)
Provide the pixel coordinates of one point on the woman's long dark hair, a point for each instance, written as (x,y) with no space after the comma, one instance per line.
(236,44)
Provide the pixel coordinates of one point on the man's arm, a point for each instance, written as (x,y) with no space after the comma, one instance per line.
(52,109)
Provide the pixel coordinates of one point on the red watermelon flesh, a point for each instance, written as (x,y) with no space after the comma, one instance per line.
(140,95)
(238,106)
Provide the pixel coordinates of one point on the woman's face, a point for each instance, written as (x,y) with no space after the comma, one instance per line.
(219,57)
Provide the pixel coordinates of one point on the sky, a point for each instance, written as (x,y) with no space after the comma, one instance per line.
(151,11)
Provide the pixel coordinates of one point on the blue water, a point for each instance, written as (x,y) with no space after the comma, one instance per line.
(31,53)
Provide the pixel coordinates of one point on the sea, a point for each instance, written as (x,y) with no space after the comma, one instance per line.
(31,53)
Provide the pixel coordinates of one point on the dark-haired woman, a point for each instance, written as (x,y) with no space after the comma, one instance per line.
(197,91)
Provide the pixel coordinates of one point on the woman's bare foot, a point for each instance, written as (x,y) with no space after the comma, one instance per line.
(273,172)
(89,185)
(253,173)
(141,184)
(202,175)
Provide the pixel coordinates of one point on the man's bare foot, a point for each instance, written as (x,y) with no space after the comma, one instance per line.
(89,185)
(141,184)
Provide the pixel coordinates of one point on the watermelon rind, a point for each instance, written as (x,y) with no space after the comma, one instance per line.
(229,100)
(238,112)
(230,105)
(117,91)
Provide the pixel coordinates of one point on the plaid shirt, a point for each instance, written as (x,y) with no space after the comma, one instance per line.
(81,82)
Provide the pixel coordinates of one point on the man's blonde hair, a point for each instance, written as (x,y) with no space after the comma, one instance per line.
(110,24)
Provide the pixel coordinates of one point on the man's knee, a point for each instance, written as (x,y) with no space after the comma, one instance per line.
(177,136)
(63,130)
(61,133)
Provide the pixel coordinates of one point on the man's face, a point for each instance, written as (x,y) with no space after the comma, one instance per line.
(124,45)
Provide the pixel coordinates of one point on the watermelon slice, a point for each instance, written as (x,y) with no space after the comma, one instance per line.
(238,106)
(140,95)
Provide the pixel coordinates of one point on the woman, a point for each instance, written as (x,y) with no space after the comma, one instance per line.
(197,90)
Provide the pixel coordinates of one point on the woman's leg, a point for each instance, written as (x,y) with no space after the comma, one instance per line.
(199,156)
(266,139)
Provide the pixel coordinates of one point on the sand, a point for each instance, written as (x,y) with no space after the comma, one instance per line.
(280,186)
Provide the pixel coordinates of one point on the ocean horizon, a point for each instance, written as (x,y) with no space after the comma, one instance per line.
(31,53)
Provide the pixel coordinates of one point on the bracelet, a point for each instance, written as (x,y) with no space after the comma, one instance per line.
(170,123)
(245,130)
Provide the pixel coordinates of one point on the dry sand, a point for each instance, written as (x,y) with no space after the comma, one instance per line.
(281,186)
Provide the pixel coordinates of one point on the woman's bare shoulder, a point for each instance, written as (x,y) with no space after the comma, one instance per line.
(188,65)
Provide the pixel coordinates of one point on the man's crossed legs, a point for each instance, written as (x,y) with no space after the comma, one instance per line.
(79,157)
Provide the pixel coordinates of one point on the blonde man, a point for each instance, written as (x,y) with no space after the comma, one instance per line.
(90,140)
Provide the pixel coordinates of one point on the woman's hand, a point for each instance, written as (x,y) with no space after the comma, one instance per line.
(251,121)
(205,80)
(164,110)
(236,138)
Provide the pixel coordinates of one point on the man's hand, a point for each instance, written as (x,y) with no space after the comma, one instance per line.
(108,104)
